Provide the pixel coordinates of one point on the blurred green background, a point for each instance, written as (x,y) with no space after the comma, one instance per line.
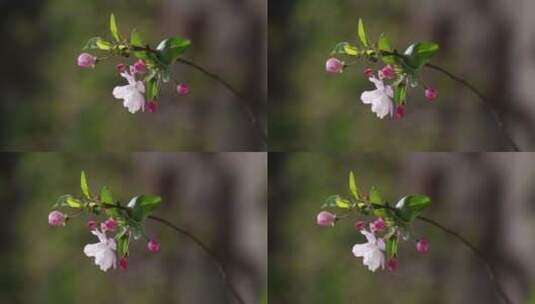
(221,198)
(487,42)
(48,103)
(488,198)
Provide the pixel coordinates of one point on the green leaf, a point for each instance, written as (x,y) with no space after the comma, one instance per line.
(353,185)
(400,93)
(418,54)
(375,196)
(392,247)
(411,206)
(123,242)
(105,195)
(114,29)
(143,205)
(135,38)
(153,88)
(97,43)
(351,50)
(330,201)
(73,202)
(343,203)
(384,43)
(345,48)
(361,31)
(84,186)
(170,49)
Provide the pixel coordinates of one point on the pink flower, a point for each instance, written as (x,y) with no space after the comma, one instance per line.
(431,94)
(121,67)
(110,224)
(368,72)
(392,264)
(182,89)
(422,246)
(123,263)
(333,65)
(399,112)
(92,224)
(153,246)
(360,225)
(378,225)
(140,67)
(387,72)
(86,60)
(56,218)
(152,106)
(326,219)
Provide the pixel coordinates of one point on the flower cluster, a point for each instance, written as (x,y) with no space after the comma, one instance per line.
(391,81)
(114,233)
(388,224)
(146,75)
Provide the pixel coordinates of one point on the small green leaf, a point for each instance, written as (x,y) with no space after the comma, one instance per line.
(105,195)
(170,49)
(135,38)
(343,203)
(97,43)
(345,48)
(411,206)
(384,43)
(84,186)
(73,202)
(330,201)
(353,185)
(123,243)
(400,93)
(375,196)
(418,54)
(351,50)
(392,247)
(143,205)
(114,29)
(153,88)
(362,33)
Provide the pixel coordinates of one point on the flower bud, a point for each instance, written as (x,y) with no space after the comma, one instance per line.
(399,112)
(422,246)
(333,65)
(86,60)
(326,219)
(121,67)
(140,67)
(392,264)
(182,89)
(153,246)
(388,72)
(152,106)
(123,263)
(431,94)
(56,218)
(378,225)
(92,224)
(368,72)
(360,225)
(110,224)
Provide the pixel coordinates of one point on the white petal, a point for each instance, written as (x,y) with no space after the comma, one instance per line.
(378,83)
(369,236)
(360,250)
(389,92)
(381,244)
(368,97)
(93,249)
(120,92)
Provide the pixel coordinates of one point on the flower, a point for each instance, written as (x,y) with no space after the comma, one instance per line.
(152,106)
(387,72)
(109,225)
(368,72)
(132,93)
(153,246)
(103,251)
(333,65)
(56,218)
(380,98)
(371,252)
(431,93)
(422,246)
(86,60)
(140,67)
(360,225)
(392,264)
(123,263)
(92,224)
(182,89)
(121,67)
(399,112)
(325,219)
(378,225)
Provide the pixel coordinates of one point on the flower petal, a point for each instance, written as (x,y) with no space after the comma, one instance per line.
(368,97)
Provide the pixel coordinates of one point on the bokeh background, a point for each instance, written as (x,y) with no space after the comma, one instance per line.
(489,42)
(219,197)
(488,198)
(49,104)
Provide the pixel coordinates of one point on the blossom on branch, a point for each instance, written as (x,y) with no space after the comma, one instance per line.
(103,251)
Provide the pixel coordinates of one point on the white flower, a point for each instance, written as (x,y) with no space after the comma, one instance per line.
(372,251)
(380,98)
(132,93)
(103,251)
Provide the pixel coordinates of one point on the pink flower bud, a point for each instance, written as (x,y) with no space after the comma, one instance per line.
(92,224)
(56,218)
(388,72)
(422,246)
(368,72)
(182,89)
(110,224)
(86,60)
(121,67)
(326,219)
(123,263)
(399,112)
(360,225)
(392,264)
(378,225)
(431,94)
(333,65)
(152,106)
(140,67)
(153,246)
